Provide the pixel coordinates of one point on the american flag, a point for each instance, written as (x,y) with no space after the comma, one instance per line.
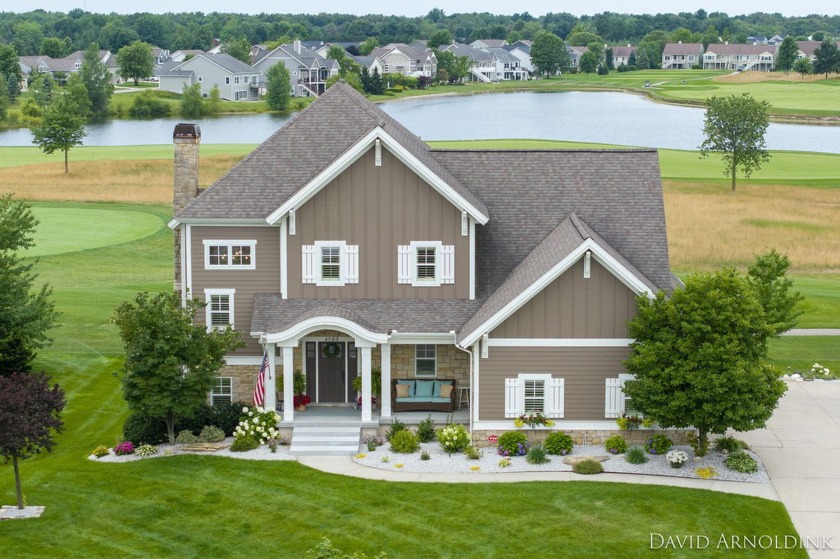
(259,389)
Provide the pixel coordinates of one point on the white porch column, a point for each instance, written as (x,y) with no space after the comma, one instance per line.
(366,411)
(288,384)
(386,380)
(271,379)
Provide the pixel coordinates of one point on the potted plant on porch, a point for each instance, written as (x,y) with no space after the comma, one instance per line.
(301,400)
(375,386)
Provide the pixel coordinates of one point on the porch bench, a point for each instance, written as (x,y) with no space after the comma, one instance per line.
(424,395)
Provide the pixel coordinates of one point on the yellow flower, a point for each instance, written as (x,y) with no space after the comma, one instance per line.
(475,468)
(361,455)
(399,465)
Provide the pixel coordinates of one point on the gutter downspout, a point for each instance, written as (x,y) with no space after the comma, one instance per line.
(470,353)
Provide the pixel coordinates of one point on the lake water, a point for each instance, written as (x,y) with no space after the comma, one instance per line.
(602,117)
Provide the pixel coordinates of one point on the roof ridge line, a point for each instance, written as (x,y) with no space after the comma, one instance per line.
(580,226)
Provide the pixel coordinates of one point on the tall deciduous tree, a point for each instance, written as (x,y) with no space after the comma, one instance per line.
(192,102)
(786,57)
(367,46)
(735,126)
(10,70)
(97,80)
(549,54)
(61,128)
(827,58)
(697,357)
(26,314)
(440,37)
(589,62)
(170,362)
(240,49)
(135,61)
(803,67)
(279,86)
(772,287)
(451,67)
(29,417)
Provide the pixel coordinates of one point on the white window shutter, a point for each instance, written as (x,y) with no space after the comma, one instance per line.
(310,264)
(622,379)
(555,397)
(614,402)
(447,273)
(405,270)
(350,263)
(514,397)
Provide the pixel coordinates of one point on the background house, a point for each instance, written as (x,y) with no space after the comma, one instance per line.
(681,56)
(728,56)
(236,80)
(308,70)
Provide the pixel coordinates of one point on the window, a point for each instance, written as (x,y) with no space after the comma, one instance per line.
(222,391)
(425,361)
(219,308)
(201,79)
(230,255)
(227,80)
(617,401)
(236,79)
(330,263)
(426,263)
(530,393)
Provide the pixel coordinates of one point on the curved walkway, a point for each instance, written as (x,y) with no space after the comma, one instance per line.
(344,465)
(801,450)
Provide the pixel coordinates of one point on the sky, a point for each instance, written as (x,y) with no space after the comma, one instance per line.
(422,7)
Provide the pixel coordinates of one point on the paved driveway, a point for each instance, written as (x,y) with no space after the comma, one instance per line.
(801,449)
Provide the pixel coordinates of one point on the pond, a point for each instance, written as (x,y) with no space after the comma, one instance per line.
(602,117)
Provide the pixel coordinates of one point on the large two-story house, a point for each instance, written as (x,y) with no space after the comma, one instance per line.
(344,244)
(682,56)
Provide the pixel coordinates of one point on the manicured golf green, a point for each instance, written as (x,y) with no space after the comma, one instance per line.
(207,506)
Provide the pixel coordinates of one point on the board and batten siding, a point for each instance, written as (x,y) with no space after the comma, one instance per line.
(378,209)
(265,278)
(585,371)
(574,307)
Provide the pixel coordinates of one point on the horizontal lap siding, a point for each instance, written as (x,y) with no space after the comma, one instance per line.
(574,307)
(585,371)
(378,208)
(264,279)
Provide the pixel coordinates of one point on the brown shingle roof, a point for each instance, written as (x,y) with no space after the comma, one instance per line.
(738,49)
(296,153)
(682,49)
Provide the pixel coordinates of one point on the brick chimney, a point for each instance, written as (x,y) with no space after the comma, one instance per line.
(186,138)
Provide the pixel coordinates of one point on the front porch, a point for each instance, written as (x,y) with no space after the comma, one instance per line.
(348,415)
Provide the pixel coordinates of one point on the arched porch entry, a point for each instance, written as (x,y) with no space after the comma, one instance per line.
(333,355)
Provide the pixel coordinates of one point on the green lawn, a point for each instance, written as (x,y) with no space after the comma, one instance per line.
(800,352)
(17,156)
(212,506)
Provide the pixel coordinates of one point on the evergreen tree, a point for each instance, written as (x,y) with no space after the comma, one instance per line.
(642,60)
(786,57)
(97,80)
(827,58)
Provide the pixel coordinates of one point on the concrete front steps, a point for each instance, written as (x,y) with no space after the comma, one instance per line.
(324,439)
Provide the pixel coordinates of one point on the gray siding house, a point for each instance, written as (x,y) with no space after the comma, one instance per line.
(236,80)
(359,249)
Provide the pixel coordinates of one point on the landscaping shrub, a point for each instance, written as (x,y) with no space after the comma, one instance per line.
(145,450)
(244,443)
(140,428)
(211,434)
(513,443)
(728,444)
(186,437)
(147,105)
(101,451)
(742,462)
(559,442)
(588,467)
(426,430)
(373,442)
(425,455)
(472,453)
(124,448)
(453,438)
(257,423)
(396,427)
(636,455)
(537,455)
(404,442)
(658,444)
(616,444)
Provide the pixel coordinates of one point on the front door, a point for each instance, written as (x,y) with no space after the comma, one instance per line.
(332,377)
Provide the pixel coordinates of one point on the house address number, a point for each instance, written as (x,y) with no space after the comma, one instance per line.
(331,338)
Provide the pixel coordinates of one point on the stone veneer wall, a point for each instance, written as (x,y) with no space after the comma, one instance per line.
(243,379)
(591,436)
(451,363)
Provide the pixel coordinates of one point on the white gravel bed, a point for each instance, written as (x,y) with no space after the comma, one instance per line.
(163,450)
(657,465)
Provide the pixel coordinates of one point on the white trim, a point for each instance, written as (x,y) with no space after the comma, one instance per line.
(208,293)
(485,346)
(291,336)
(385,367)
(415,246)
(559,342)
(216,222)
(474,386)
(183,265)
(617,269)
(559,425)
(357,150)
(292,222)
(284,261)
(213,388)
(465,226)
(230,243)
(410,338)
(433,375)
(188,279)
(243,359)
(472,259)
(377,158)
(587,265)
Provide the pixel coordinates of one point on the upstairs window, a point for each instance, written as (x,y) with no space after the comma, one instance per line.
(219,309)
(229,255)
(426,264)
(330,263)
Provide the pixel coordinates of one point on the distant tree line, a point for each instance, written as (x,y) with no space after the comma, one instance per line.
(57,34)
